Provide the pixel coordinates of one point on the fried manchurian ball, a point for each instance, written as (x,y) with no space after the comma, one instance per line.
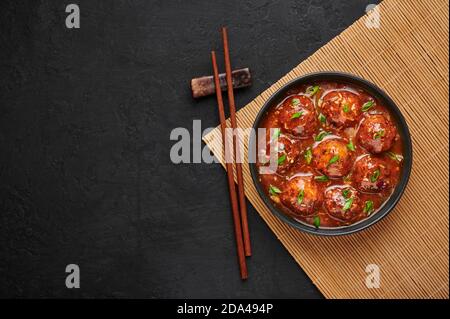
(301,195)
(298,116)
(332,157)
(376,133)
(341,108)
(343,202)
(283,149)
(373,174)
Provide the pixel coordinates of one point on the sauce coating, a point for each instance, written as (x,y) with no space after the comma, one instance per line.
(338,154)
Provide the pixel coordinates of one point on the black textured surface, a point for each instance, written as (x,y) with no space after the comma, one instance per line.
(85,118)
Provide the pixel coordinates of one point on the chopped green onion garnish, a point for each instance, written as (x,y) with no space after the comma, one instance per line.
(375,175)
(367,106)
(316,221)
(312,90)
(368,207)
(308,156)
(273,190)
(281,159)
(321,135)
(322,118)
(350,146)
(334,159)
(395,157)
(300,196)
(295,102)
(378,134)
(345,193)
(346,108)
(322,178)
(348,204)
(296,115)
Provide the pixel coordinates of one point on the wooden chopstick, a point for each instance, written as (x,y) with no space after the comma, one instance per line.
(236,147)
(229,166)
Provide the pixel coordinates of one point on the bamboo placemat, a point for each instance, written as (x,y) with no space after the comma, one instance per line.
(407,56)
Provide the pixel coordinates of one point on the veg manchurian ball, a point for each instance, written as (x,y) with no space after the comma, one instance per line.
(343,203)
(285,151)
(332,157)
(301,195)
(372,174)
(376,133)
(341,108)
(298,116)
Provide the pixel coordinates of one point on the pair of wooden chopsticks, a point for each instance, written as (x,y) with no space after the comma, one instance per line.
(239,211)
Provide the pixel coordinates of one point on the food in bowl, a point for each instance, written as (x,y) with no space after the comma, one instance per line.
(338,154)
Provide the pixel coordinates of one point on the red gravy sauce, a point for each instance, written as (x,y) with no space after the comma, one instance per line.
(337,150)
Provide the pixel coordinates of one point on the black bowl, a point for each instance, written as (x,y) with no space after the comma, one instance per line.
(403,131)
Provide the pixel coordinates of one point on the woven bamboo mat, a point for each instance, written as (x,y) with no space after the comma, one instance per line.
(407,56)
